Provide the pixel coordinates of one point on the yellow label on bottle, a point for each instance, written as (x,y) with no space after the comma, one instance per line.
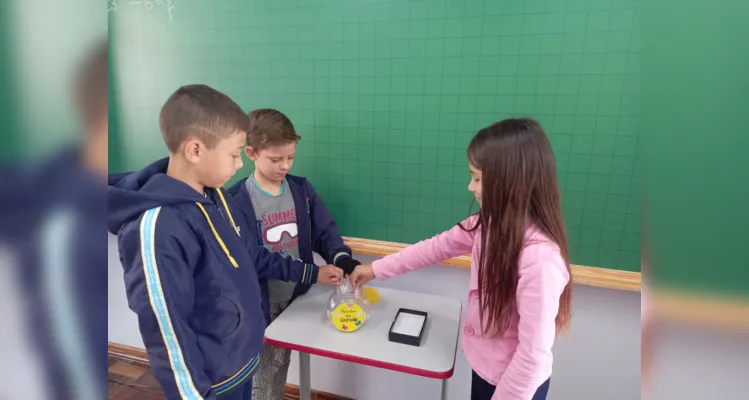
(348,317)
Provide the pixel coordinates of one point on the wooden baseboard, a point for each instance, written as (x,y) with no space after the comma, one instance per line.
(582,275)
(138,356)
(134,355)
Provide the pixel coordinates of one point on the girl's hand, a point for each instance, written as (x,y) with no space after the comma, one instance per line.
(330,275)
(362,274)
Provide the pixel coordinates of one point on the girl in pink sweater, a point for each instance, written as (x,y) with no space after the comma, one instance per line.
(519,295)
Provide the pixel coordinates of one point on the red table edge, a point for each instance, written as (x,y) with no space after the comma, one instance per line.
(364,361)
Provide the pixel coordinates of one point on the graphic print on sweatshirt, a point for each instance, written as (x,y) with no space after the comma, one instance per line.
(279,230)
(276,219)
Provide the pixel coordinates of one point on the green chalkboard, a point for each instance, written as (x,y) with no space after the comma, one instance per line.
(9,124)
(387,94)
(696,107)
(37,67)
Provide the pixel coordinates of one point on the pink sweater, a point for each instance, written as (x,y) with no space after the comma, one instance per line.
(519,361)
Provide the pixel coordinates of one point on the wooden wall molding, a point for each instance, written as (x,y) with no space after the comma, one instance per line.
(127,353)
(716,312)
(583,275)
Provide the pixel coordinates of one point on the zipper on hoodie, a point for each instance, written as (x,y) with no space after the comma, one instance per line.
(213,228)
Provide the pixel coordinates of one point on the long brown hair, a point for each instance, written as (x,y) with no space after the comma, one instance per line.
(519,185)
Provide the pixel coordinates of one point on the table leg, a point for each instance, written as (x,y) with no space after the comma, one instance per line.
(304,377)
(444,390)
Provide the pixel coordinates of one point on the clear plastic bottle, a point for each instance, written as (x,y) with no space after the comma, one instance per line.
(348,309)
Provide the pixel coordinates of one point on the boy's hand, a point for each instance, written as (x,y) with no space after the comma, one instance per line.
(347,264)
(362,274)
(329,275)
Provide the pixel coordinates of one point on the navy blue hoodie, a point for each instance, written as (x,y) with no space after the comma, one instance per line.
(192,278)
(62,267)
(317,229)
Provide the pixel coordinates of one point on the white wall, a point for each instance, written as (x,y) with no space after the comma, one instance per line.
(699,363)
(599,360)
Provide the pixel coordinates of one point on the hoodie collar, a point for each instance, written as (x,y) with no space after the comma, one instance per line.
(132,193)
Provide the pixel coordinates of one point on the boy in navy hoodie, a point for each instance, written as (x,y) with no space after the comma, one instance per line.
(61,264)
(188,273)
(290,219)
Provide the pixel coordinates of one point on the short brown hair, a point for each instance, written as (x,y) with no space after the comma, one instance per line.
(268,128)
(202,112)
(90,85)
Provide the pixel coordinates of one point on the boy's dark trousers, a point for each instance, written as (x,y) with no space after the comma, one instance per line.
(241,392)
(483,390)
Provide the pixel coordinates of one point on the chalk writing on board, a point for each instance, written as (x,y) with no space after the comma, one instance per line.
(112,5)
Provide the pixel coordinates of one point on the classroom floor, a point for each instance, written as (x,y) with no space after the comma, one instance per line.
(133,381)
(128,381)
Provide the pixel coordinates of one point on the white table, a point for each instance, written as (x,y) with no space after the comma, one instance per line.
(305,328)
